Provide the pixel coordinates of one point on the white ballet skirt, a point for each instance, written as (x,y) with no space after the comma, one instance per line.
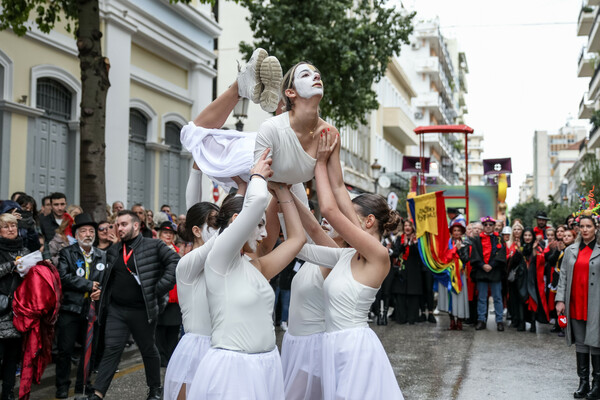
(355,364)
(231,375)
(302,362)
(222,153)
(356,367)
(183,364)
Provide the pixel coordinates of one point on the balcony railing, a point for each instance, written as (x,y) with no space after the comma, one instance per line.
(389,96)
(593,132)
(388,156)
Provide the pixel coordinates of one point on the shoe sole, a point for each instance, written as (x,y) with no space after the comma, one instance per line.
(271,77)
(260,55)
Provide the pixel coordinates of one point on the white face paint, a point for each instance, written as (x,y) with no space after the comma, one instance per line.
(208,232)
(307,81)
(328,229)
(259,233)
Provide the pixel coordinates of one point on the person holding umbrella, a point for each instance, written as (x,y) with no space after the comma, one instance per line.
(81,267)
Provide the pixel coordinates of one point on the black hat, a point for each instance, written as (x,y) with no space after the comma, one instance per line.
(167,226)
(542,215)
(82,220)
(452,210)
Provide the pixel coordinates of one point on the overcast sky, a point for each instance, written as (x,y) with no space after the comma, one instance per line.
(522,58)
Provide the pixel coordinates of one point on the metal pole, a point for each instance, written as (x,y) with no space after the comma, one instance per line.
(467,175)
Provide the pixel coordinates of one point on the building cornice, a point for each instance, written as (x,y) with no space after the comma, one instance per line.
(21,109)
(197,17)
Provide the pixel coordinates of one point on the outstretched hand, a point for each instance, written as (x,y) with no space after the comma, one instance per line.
(263,165)
(327,144)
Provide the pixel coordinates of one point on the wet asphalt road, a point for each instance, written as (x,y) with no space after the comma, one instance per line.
(433,363)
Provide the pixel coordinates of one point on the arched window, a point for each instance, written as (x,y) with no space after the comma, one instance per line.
(54,98)
(137,174)
(172,135)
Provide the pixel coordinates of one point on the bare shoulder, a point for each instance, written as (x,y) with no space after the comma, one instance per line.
(326,125)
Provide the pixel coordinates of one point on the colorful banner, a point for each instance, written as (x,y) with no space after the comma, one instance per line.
(425,214)
(428,211)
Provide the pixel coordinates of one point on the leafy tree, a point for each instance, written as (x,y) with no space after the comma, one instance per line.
(559,213)
(526,212)
(83,19)
(590,176)
(350,41)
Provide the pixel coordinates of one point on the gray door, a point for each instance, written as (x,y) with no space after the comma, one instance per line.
(136,177)
(49,150)
(136,173)
(174,171)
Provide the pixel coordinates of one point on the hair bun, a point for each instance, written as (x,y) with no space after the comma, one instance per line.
(393,221)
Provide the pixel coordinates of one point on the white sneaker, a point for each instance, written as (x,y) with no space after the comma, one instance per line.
(284,326)
(271,77)
(436,311)
(249,83)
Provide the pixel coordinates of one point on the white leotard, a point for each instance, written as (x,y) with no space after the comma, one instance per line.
(222,153)
(347,302)
(191,290)
(307,302)
(239,297)
(291,164)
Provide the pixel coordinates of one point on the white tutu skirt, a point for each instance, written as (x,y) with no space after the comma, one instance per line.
(220,153)
(230,375)
(356,367)
(183,363)
(302,362)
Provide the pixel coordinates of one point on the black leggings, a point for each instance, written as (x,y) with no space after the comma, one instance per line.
(11,355)
(427,296)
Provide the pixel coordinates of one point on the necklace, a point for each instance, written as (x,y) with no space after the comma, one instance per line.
(311,132)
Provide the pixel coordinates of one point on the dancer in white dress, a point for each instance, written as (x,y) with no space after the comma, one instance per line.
(355,365)
(243,362)
(191,291)
(302,347)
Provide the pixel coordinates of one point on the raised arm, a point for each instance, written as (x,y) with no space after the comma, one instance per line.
(367,245)
(193,189)
(229,243)
(274,262)
(336,179)
(312,227)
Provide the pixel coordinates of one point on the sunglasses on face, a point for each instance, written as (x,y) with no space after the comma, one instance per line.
(489,224)
(104,228)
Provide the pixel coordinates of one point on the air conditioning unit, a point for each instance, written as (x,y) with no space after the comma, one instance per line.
(415,46)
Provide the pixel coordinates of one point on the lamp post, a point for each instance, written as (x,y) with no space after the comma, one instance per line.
(240,111)
(376,173)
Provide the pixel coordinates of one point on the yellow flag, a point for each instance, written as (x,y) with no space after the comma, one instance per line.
(426,214)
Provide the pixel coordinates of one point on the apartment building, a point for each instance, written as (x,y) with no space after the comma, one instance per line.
(432,72)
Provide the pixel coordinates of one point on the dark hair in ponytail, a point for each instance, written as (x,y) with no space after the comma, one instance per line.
(198,215)
(231,205)
(387,219)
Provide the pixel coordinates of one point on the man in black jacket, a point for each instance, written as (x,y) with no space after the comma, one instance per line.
(488,260)
(81,267)
(50,223)
(140,272)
